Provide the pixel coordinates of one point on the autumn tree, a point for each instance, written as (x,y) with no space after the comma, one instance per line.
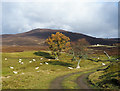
(57,43)
(79,50)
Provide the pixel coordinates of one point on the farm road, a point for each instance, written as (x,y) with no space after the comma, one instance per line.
(81,83)
(57,83)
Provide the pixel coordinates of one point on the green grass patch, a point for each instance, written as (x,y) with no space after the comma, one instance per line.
(69,82)
(108,78)
(30,78)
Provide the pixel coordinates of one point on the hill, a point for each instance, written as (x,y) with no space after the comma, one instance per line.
(37,37)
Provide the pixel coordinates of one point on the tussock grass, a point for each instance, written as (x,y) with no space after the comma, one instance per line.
(34,78)
(69,83)
(42,77)
(108,78)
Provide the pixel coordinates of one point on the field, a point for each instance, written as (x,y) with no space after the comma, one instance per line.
(107,78)
(39,69)
(9,49)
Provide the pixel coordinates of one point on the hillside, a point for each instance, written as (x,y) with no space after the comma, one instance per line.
(37,37)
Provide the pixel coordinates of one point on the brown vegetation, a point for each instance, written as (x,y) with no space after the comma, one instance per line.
(37,37)
(22,48)
(112,51)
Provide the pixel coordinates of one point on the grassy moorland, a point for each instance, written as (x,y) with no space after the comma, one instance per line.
(9,49)
(107,78)
(28,77)
(38,74)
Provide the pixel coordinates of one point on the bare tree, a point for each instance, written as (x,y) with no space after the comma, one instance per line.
(79,50)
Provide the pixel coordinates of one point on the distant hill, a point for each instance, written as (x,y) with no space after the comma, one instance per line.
(37,37)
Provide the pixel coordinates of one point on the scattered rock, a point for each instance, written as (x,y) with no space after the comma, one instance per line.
(34,60)
(40,63)
(37,68)
(103,63)
(20,59)
(30,61)
(11,67)
(70,67)
(5,58)
(23,73)
(15,72)
(41,58)
(22,63)
(46,63)
(49,59)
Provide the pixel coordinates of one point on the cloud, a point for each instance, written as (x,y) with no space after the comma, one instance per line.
(91,18)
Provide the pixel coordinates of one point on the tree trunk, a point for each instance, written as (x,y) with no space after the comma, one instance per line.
(78,65)
(56,58)
(106,54)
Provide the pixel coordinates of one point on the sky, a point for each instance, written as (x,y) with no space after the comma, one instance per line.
(97,19)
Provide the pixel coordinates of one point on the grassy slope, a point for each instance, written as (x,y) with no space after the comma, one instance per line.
(108,78)
(33,79)
(69,83)
(41,80)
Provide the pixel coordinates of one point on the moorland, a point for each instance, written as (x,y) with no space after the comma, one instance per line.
(27,63)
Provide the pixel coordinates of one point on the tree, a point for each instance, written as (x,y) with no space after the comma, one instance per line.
(79,50)
(57,43)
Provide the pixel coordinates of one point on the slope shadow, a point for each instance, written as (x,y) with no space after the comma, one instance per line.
(44,54)
(94,60)
(49,56)
(60,63)
(109,79)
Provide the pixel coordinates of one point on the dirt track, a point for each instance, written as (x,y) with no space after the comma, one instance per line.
(81,83)
(57,83)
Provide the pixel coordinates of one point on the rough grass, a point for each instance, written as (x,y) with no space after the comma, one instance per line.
(36,78)
(22,48)
(69,83)
(108,78)
(31,79)
(111,50)
(42,77)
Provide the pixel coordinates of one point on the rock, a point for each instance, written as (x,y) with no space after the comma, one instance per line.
(70,67)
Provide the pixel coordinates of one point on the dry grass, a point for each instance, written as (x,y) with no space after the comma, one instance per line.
(112,51)
(22,48)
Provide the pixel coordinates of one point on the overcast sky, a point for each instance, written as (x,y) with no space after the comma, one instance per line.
(97,19)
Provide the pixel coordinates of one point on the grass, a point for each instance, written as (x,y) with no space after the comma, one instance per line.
(22,48)
(108,78)
(32,78)
(42,77)
(98,77)
(69,83)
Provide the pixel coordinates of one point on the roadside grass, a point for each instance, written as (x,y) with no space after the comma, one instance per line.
(30,78)
(40,78)
(69,83)
(108,78)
